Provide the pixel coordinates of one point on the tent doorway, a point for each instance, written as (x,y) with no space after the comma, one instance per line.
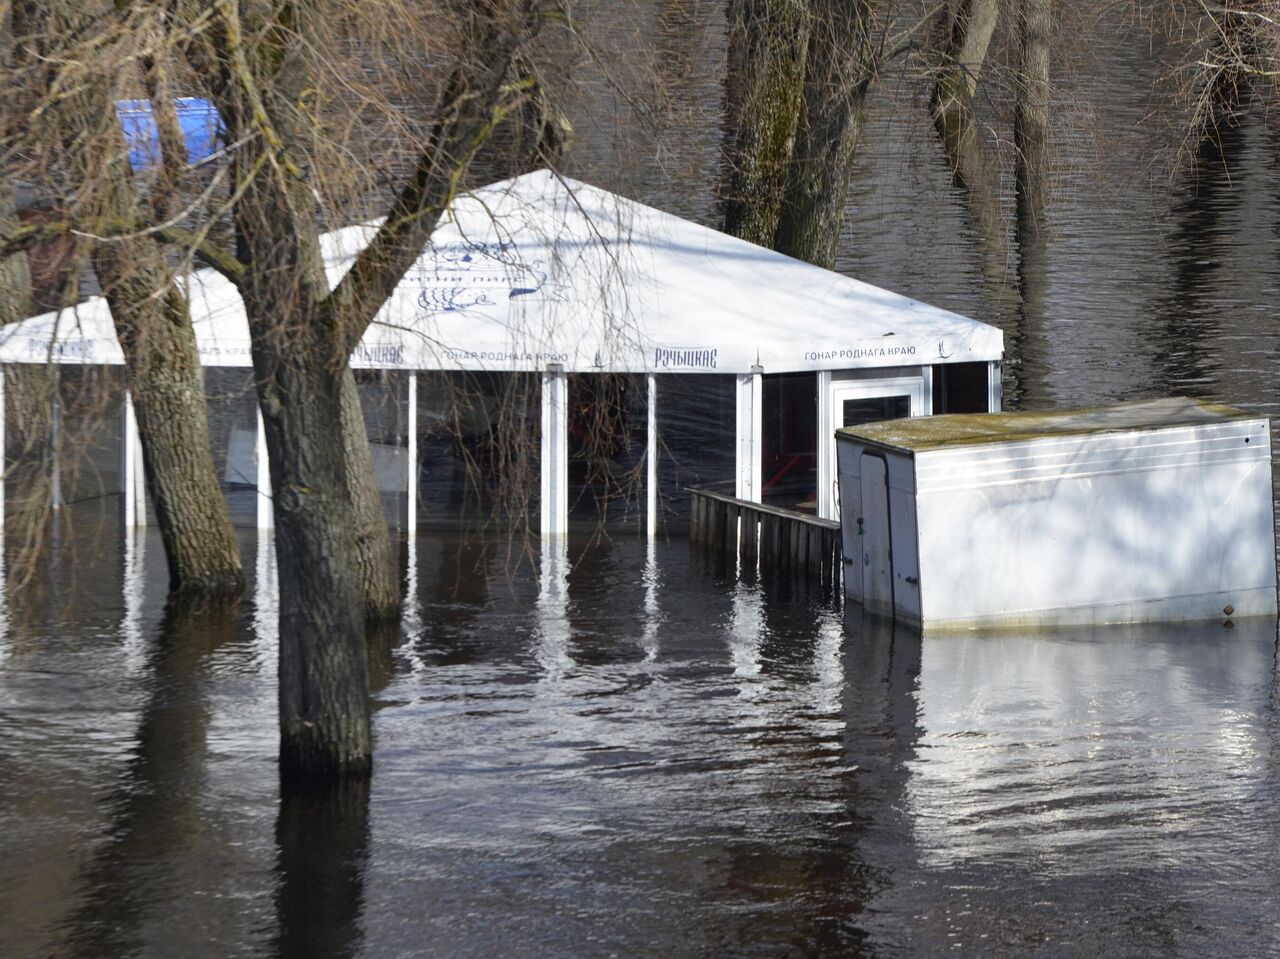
(852,402)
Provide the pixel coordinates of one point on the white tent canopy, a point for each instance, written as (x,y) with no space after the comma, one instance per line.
(545,274)
(544,270)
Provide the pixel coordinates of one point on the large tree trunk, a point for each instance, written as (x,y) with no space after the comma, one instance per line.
(764,91)
(16,301)
(1031,140)
(153,326)
(379,583)
(1031,118)
(28,388)
(324,700)
(839,67)
(303,333)
(973,168)
(952,100)
(301,371)
(166,382)
(969,37)
(28,396)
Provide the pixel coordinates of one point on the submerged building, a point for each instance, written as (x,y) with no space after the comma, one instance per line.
(597,354)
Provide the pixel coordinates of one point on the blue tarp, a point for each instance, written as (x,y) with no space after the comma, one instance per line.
(201,129)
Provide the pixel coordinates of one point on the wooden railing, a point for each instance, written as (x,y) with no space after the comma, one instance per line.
(781,539)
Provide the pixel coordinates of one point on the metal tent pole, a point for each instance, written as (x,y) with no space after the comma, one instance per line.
(749,453)
(266,512)
(411,480)
(555,451)
(651,461)
(133,479)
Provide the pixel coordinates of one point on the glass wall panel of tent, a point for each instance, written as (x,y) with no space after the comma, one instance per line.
(479,449)
(384,398)
(697,441)
(233,436)
(608,426)
(962,388)
(62,437)
(789,423)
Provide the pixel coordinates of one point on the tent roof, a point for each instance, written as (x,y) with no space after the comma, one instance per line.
(974,429)
(542,269)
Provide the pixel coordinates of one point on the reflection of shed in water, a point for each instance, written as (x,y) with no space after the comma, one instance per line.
(627,347)
(1150,511)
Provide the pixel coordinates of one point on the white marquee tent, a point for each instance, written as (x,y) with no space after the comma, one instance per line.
(548,275)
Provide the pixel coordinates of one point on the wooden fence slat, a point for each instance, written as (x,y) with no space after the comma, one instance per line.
(768,536)
(750,532)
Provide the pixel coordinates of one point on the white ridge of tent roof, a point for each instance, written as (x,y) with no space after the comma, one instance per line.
(542,269)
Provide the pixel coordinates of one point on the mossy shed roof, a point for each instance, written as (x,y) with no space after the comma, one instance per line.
(974,429)
(542,269)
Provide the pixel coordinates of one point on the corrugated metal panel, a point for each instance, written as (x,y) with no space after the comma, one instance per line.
(1057,459)
(1168,524)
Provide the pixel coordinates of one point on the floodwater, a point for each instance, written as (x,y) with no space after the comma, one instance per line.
(633,751)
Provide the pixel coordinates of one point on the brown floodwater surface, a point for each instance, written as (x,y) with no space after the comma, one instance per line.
(633,750)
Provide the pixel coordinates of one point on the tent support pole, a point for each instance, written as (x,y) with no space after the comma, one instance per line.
(411,480)
(750,412)
(555,451)
(133,476)
(55,441)
(651,460)
(994,388)
(826,447)
(266,513)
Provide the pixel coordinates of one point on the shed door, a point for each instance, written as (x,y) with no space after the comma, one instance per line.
(877,550)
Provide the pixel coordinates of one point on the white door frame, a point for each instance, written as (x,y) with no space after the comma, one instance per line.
(833,389)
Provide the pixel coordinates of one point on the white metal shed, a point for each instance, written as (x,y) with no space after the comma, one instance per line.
(1149,511)
(543,274)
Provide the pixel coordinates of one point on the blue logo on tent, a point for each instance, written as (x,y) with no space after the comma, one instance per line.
(201,129)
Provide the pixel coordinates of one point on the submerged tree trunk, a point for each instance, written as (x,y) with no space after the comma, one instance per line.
(153,326)
(1031,118)
(324,700)
(1031,140)
(764,92)
(303,332)
(839,67)
(28,388)
(1240,35)
(965,55)
(166,383)
(972,165)
(379,583)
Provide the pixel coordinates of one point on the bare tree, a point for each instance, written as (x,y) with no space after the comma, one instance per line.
(70,135)
(964,57)
(764,95)
(841,64)
(265,65)
(1031,116)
